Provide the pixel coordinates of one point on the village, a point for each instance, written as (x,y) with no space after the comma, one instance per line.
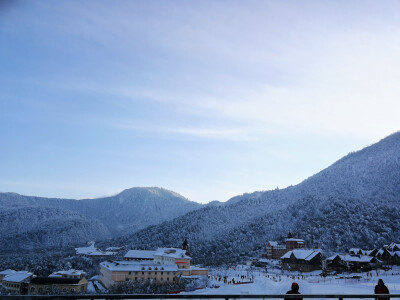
(172,267)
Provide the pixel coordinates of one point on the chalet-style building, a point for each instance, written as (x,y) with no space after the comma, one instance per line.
(302,260)
(393,247)
(55,285)
(372,252)
(351,263)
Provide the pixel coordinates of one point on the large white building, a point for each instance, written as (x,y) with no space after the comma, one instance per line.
(167,265)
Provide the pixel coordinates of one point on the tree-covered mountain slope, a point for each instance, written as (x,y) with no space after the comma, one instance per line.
(35,222)
(354,202)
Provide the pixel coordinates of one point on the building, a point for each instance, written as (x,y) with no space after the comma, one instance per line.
(72,273)
(17,283)
(351,263)
(167,265)
(292,243)
(274,250)
(57,285)
(394,247)
(121,271)
(174,256)
(5,273)
(302,260)
(140,255)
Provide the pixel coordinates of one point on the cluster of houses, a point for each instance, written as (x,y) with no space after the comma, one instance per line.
(24,282)
(164,265)
(295,257)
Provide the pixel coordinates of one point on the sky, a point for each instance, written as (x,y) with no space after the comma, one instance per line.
(210,99)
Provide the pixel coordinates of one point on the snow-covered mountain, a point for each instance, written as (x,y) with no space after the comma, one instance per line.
(33,222)
(354,202)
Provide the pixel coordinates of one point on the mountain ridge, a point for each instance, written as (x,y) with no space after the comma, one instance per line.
(351,187)
(128,211)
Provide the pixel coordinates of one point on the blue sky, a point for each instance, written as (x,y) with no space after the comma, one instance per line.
(210,99)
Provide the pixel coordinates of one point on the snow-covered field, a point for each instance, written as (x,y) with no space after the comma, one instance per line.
(274,282)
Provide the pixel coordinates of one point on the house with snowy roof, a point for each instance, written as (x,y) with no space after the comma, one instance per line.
(17,282)
(394,247)
(386,256)
(351,263)
(303,260)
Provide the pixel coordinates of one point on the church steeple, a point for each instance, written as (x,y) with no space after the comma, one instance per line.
(185,246)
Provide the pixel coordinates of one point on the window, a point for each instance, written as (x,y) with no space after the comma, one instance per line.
(162,273)
(40,290)
(130,273)
(72,290)
(142,273)
(155,273)
(32,290)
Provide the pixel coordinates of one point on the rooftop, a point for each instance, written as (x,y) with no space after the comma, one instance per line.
(172,252)
(140,254)
(18,276)
(70,272)
(305,254)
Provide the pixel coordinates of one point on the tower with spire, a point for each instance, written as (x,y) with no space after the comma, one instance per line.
(185,246)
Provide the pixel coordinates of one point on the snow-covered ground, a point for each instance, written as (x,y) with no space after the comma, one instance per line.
(278,282)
